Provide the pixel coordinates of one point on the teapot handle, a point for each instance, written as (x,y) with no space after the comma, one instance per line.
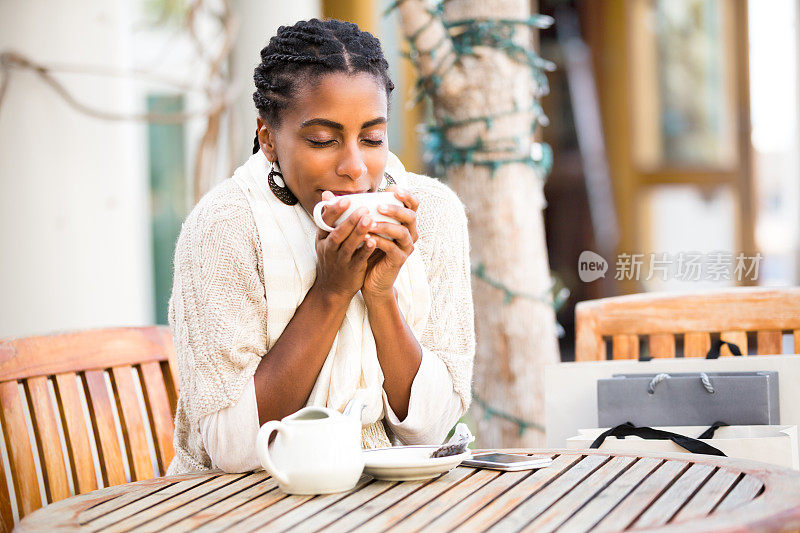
(262,446)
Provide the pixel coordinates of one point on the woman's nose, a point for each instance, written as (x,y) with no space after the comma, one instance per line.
(352,164)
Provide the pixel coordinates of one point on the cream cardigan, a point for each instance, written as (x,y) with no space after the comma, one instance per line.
(219,304)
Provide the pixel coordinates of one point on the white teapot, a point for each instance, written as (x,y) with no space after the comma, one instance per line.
(317,449)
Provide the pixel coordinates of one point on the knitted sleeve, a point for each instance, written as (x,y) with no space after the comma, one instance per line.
(444,246)
(217,311)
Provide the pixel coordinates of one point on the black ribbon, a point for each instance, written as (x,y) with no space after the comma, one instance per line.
(716,346)
(709,433)
(688,443)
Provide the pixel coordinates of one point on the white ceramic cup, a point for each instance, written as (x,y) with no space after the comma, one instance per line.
(370,200)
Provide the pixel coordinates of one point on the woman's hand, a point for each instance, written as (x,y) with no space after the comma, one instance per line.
(341,258)
(390,254)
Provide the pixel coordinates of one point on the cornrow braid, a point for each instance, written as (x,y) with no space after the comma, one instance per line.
(312,48)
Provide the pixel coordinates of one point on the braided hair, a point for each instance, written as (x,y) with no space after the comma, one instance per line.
(312,48)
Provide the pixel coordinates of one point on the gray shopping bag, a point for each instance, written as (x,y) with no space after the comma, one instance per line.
(688,399)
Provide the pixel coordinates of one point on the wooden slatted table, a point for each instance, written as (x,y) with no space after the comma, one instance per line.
(581,491)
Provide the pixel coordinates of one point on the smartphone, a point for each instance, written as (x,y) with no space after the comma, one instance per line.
(507,461)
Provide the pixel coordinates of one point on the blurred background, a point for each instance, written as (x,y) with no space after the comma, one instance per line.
(673,123)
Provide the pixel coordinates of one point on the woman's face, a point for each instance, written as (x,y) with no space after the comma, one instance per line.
(331,138)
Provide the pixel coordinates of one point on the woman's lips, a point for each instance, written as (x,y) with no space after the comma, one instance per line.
(343,193)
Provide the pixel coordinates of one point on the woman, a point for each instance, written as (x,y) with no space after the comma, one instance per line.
(270,314)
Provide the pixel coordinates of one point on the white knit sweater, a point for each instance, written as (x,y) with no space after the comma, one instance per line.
(219,304)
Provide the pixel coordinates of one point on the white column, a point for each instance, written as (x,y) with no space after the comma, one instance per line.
(74,216)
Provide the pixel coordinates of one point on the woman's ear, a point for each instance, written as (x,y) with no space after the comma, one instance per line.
(266,139)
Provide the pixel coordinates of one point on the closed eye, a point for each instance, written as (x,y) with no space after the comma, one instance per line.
(321,143)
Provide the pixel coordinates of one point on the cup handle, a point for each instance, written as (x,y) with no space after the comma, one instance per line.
(262,446)
(318,215)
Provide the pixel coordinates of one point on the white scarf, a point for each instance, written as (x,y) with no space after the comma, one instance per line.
(287,234)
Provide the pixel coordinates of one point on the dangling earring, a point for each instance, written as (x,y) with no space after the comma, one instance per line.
(281,191)
(387,180)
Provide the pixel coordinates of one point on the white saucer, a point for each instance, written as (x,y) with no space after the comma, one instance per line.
(406,463)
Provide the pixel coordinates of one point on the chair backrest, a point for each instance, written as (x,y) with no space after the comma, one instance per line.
(690,320)
(84,410)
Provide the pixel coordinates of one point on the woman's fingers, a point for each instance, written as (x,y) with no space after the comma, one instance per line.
(363,254)
(407,214)
(343,230)
(395,232)
(331,213)
(408,199)
(393,252)
(404,216)
(356,237)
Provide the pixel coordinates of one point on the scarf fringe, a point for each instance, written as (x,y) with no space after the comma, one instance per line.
(374,436)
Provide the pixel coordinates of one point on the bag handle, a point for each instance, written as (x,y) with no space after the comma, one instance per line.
(687,443)
(658,378)
(716,346)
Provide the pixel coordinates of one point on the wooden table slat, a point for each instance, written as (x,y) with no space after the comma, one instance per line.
(675,496)
(708,496)
(580,495)
(501,505)
(566,481)
(264,519)
(300,514)
(109,499)
(196,510)
(133,514)
(345,521)
(441,505)
(205,518)
(473,503)
(115,502)
(641,497)
(414,501)
(744,491)
(256,500)
(352,500)
(605,501)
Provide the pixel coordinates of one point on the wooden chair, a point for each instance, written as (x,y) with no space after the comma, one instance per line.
(691,319)
(107,397)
